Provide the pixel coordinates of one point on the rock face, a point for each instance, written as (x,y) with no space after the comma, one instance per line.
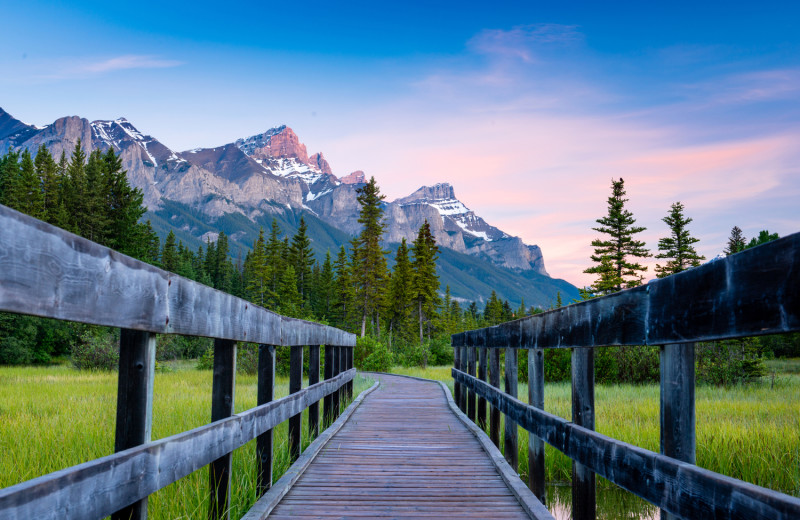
(357,177)
(269,173)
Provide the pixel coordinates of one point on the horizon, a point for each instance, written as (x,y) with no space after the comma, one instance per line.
(514,107)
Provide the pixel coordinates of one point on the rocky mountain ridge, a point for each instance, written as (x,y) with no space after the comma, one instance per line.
(267,174)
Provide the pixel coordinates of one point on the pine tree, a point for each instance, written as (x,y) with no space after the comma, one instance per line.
(343,294)
(75,192)
(398,301)
(736,242)
(169,255)
(425,282)
(619,247)
(47,171)
(301,257)
(275,265)
(493,312)
(9,172)
(26,191)
(288,296)
(763,237)
(324,289)
(256,271)
(369,261)
(678,248)
(95,222)
(559,303)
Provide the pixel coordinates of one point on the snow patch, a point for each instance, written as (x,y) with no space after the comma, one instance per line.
(315,196)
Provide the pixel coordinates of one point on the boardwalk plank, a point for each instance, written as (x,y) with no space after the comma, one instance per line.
(402,454)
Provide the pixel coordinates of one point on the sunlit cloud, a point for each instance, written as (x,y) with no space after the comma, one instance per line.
(127,62)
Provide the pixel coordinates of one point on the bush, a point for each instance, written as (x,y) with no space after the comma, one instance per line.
(97,349)
(170,347)
(729,362)
(441,351)
(376,355)
(206,361)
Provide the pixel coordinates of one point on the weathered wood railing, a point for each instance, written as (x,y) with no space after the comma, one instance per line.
(47,272)
(751,293)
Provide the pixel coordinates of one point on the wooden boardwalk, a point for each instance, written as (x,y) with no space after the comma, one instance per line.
(402,454)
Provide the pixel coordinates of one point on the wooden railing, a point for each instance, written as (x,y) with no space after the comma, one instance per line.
(751,293)
(47,272)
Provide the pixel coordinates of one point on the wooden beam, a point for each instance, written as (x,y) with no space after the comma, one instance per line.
(536,465)
(494,380)
(327,402)
(265,394)
(677,405)
(457,365)
(482,371)
(222,407)
(313,378)
(83,491)
(295,385)
(44,271)
(337,368)
(137,361)
(683,489)
(510,439)
(751,293)
(471,397)
(583,479)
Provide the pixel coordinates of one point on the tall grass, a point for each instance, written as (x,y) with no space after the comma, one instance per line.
(747,432)
(56,417)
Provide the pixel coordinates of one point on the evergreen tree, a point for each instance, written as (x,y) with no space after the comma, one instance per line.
(399,299)
(301,257)
(47,172)
(27,190)
(493,312)
(763,237)
(678,248)
(369,261)
(559,303)
(425,282)
(324,289)
(273,251)
(619,247)
(169,255)
(95,223)
(343,294)
(288,296)
(9,172)
(257,272)
(736,242)
(75,192)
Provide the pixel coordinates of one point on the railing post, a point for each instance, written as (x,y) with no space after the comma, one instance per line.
(349,355)
(265,394)
(313,378)
(222,401)
(535,444)
(295,385)
(327,401)
(494,380)
(342,368)
(510,438)
(472,396)
(457,366)
(337,369)
(583,480)
(482,377)
(137,361)
(677,405)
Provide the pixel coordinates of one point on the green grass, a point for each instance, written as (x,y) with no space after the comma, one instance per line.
(746,432)
(56,417)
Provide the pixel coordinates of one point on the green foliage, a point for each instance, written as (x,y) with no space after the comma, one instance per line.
(301,258)
(763,237)
(170,347)
(729,362)
(96,349)
(206,361)
(736,242)
(678,248)
(612,255)
(373,354)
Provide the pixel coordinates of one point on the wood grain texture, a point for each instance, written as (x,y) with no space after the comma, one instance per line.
(137,362)
(682,489)
(422,462)
(222,406)
(584,497)
(83,491)
(511,434)
(265,393)
(45,271)
(750,293)
(295,385)
(313,378)
(536,465)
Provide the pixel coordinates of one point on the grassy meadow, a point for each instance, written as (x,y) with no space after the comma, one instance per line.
(55,417)
(747,432)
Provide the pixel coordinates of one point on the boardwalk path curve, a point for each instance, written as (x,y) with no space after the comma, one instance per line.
(402,454)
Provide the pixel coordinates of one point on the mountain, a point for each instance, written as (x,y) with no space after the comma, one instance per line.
(241,186)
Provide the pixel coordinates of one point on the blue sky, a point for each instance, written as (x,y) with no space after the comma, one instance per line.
(528,108)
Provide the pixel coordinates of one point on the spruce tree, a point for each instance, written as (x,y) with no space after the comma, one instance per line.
(169,255)
(26,191)
(398,301)
(369,259)
(96,223)
(678,248)
(736,242)
(323,293)
(619,248)
(288,296)
(301,257)
(275,265)
(343,293)
(763,237)
(425,282)
(256,271)
(75,191)
(47,171)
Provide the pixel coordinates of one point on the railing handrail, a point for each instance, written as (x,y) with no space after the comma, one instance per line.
(751,295)
(46,272)
(755,292)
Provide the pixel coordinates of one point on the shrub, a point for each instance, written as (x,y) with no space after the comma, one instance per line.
(378,357)
(729,362)
(97,349)
(441,351)
(170,347)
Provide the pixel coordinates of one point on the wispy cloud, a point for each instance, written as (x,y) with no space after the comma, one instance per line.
(524,41)
(127,62)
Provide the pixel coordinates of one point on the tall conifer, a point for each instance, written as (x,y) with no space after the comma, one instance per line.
(425,282)
(678,248)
